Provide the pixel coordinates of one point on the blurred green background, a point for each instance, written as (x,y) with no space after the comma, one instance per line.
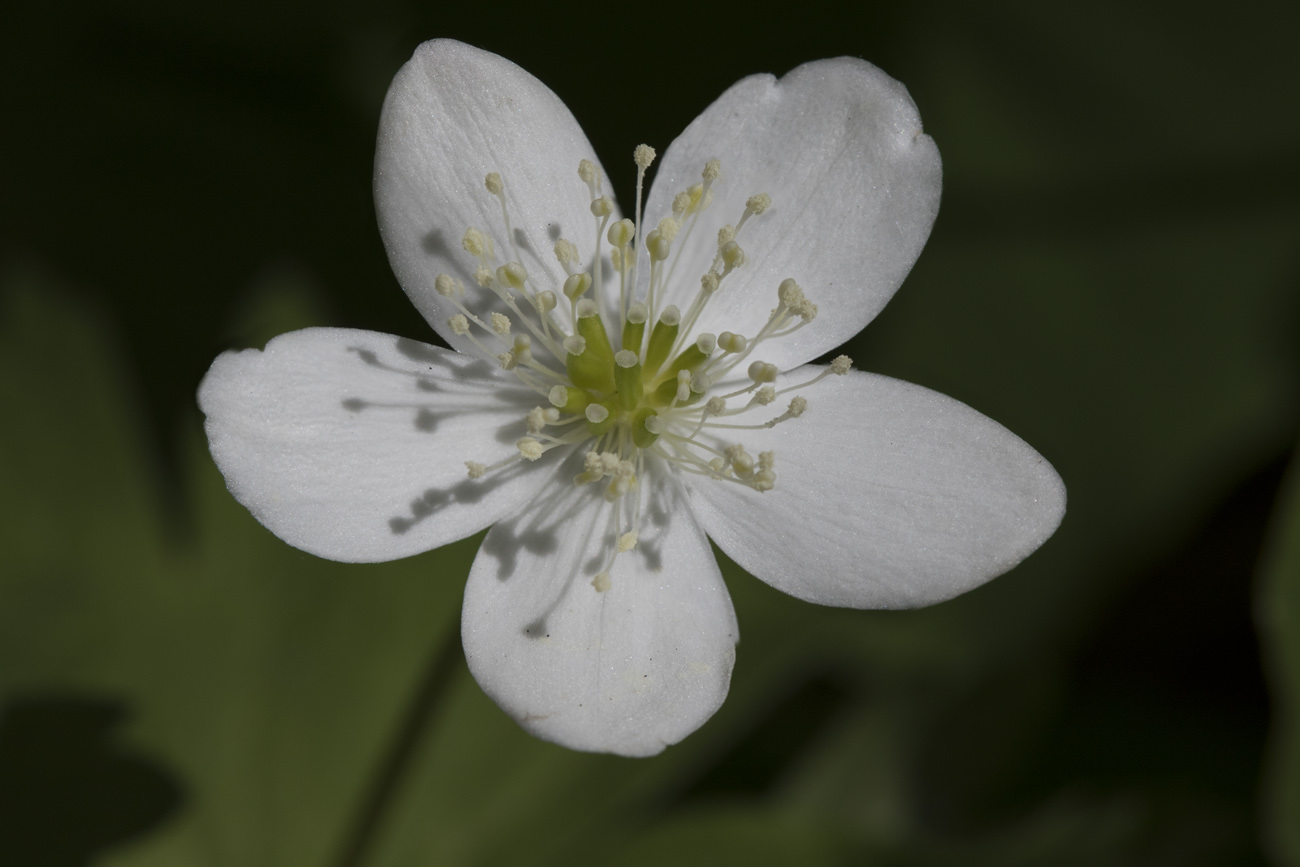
(1114,275)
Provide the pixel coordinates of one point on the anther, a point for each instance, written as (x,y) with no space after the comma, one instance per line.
(709,282)
(483,276)
(545,301)
(761,371)
(712,170)
(601,582)
(445,286)
(627,542)
(620,233)
(474,242)
(726,234)
(493,183)
(500,324)
(459,325)
(731,342)
(602,206)
(658,246)
(789,293)
(759,203)
(576,285)
(841,365)
(476,470)
(587,171)
(512,274)
(529,448)
(643,156)
(732,256)
(566,252)
(536,420)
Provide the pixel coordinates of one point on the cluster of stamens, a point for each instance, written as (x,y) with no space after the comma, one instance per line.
(654,394)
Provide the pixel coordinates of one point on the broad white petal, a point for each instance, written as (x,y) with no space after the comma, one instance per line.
(453,114)
(352,445)
(854,183)
(629,670)
(888,495)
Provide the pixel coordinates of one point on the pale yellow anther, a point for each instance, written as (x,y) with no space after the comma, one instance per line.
(789,293)
(522,347)
(575,344)
(807,310)
(683,393)
(530,448)
(566,252)
(602,206)
(493,183)
(759,203)
(592,463)
(587,171)
(609,462)
(761,371)
(551,414)
(658,246)
(545,301)
(731,342)
(616,258)
(445,286)
(668,228)
(536,420)
(500,324)
(716,406)
(709,282)
(577,284)
(643,156)
(701,383)
(766,460)
(627,542)
(797,407)
(601,582)
(764,480)
(596,413)
(726,234)
(712,170)
(700,198)
(732,255)
(681,204)
(483,276)
(512,274)
(476,470)
(765,395)
(620,233)
(474,242)
(508,361)
(459,325)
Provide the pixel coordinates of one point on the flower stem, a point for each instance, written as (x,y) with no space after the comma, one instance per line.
(379,799)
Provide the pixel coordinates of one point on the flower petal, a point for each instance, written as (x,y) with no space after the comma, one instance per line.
(629,670)
(352,445)
(452,115)
(888,495)
(854,184)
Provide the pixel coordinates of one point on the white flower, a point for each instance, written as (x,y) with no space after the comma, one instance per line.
(779,223)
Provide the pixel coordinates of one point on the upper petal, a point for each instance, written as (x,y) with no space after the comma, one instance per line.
(854,183)
(888,495)
(352,445)
(453,114)
(629,670)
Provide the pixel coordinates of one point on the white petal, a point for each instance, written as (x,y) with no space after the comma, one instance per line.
(854,183)
(629,670)
(888,495)
(452,115)
(352,445)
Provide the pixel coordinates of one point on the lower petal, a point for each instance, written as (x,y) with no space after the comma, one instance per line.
(628,670)
(888,495)
(352,445)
